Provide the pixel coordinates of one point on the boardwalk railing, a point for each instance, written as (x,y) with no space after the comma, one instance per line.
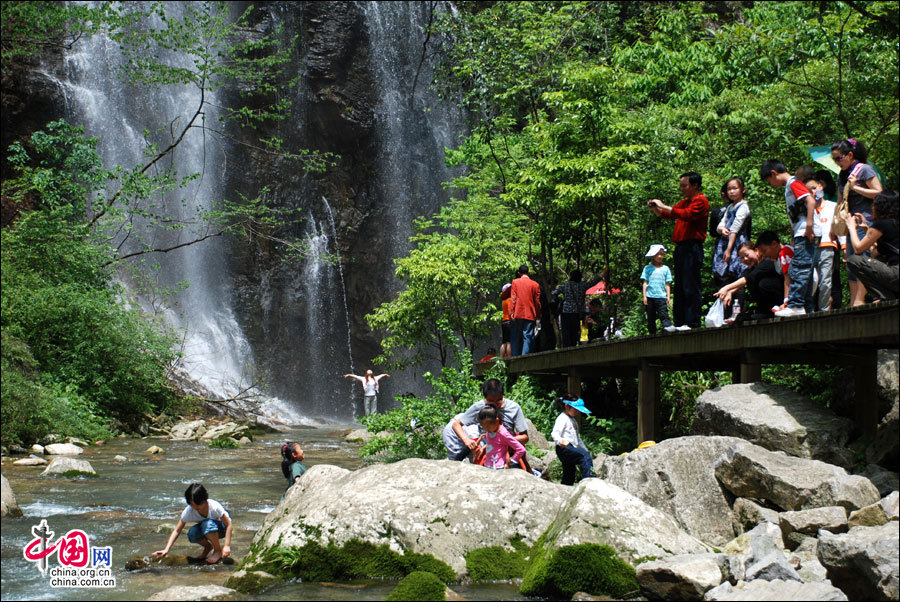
(849,336)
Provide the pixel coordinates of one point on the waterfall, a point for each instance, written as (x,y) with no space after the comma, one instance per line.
(248,317)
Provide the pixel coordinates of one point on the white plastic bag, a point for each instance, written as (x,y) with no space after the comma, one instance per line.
(716,315)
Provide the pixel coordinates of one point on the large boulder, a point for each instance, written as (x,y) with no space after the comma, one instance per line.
(65,449)
(772,417)
(229,429)
(864,562)
(599,512)
(441,508)
(760,590)
(791,483)
(680,577)
(31,460)
(65,465)
(678,477)
(8,505)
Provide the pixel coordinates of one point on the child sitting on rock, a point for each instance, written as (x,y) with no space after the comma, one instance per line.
(213,522)
(292,462)
(497,440)
(570,449)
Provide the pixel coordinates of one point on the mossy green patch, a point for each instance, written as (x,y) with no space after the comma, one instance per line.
(591,568)
(224,443)
(250,582)
(354,560)
(495,563)
(75,474)
(419,585)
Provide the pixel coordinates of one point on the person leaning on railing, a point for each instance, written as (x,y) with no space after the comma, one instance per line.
(880,274)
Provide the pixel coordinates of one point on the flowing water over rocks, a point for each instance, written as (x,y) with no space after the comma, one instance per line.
(133,505)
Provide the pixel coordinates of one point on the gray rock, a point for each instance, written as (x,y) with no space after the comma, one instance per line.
(537,438)
(8,505)
(223,431)
(195,592)
(791,483)
(884,447)
(795,539)
(885,480)
(244,441)
(776,591)
(864,562)
(833,518)
(358,436)
(870,516)
(17,450)
(891,505)
(65,449)
(31,460)
(51,438)
(748,514)
(153,449)
(772,567)
(79,442)
(806,562)
(765,540)
(772,417)
(678,477)
(685,577)
(37,448)
(120,459)
(428,506)
(187,430)
(599,512)
(63,465)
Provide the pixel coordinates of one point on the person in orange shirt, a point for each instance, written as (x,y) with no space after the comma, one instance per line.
(525,310)
(506,324)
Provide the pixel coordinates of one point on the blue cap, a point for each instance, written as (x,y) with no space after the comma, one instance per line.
(578,404)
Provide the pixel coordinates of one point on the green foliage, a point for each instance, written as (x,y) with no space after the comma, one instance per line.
(419,585)
(591,568)
(224,443)
(678,394)
(823,384)
(495,563)
(610,436)
(415,427)
(355,560)
(537,403)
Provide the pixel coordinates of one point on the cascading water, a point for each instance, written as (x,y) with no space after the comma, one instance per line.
(343,285)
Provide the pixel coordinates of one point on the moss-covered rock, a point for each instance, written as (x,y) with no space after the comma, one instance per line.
(495,563)
(354,560)
(591,568)
(251,582)
(419,585)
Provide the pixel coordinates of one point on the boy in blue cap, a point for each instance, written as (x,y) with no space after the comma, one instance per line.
(570,449)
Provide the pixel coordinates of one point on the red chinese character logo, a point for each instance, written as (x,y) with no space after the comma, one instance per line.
(73,549)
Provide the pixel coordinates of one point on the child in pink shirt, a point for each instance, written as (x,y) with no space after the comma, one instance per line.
(497,440)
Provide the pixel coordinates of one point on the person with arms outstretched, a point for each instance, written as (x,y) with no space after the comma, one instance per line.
(369,384)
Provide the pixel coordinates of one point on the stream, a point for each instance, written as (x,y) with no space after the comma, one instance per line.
(133,506)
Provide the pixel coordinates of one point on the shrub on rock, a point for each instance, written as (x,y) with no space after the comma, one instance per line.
(591,568)
(419,585)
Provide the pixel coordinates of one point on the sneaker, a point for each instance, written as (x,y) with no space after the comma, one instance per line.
(788,312)
(683,327)
(670,328)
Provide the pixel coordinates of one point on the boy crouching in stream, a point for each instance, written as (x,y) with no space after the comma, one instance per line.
(213,522)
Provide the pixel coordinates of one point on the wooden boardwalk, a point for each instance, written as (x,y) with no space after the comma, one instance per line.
(848,336)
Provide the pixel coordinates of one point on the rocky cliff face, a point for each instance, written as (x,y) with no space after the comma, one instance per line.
(303,321)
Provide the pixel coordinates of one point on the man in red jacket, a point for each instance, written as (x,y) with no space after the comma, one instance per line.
(525,310)
(690,215)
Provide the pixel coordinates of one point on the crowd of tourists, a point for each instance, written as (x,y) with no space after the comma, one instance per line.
(845,226)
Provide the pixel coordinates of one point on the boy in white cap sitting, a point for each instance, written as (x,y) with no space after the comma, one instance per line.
(570,449)
(656,280)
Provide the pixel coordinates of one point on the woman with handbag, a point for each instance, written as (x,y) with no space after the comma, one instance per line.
(858,184)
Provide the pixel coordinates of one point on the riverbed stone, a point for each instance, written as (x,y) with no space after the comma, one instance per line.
(8,505)
(864,562)
(358,436)
(31,460)
(187,430)
(251,582)
(17,450)
(64,464)
(677,476)
(153,449)
(64,449)
(772,417)
(119,458)
(441,508)
(775,591)
(791,483)
(833,518)
(223,431)
(37,448)
(194,592)
(683,577)
(599,512)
